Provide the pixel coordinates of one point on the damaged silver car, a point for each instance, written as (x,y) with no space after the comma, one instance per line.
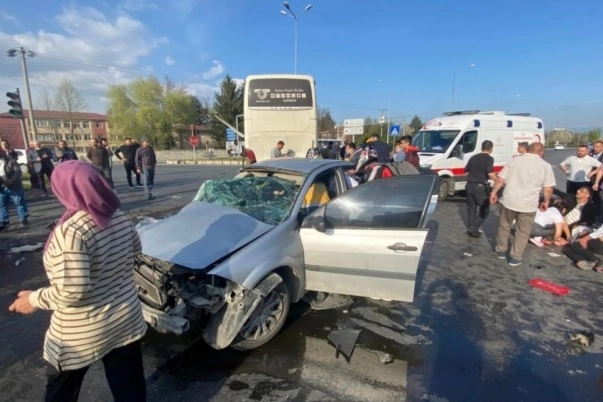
(231,262)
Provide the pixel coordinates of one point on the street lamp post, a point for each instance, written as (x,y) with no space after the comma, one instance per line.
(23,52)
(290,13)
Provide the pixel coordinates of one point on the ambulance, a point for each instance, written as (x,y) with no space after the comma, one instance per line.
(446,143)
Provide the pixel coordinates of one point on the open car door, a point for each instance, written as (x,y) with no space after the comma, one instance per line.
(368,241)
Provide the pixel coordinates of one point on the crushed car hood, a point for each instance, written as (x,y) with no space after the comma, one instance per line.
(200,234)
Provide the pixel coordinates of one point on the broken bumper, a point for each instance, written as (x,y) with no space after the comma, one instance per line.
(165,322)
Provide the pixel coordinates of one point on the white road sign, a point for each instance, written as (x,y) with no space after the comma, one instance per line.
(353,130)
(353,123)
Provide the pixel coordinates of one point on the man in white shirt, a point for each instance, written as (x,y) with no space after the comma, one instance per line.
(597,196)
(579,168)
(524,178)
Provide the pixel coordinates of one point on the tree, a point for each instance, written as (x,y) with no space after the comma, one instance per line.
(325,121)
(228,104)
(146,108)
(46,102)
(69,101)
(594,134)
(202,112)
(415,125)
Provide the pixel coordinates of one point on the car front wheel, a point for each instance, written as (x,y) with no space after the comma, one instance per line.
(266,320)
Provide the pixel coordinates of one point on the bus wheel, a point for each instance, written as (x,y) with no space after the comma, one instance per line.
(444,188)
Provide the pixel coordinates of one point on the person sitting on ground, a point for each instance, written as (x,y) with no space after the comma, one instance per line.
(583,215)
(586,252)
(550,223)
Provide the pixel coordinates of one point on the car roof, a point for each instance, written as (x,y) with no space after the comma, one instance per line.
(302,165)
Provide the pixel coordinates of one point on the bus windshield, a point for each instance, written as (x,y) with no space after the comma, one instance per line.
(280,107)
(434,141)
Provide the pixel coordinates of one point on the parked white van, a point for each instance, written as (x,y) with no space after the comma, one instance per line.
(446,143)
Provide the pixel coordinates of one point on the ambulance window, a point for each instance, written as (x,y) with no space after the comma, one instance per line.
(469,141)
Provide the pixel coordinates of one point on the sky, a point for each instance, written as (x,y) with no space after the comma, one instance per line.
(369,58)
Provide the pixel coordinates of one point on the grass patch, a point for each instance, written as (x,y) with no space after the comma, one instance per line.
(25,180)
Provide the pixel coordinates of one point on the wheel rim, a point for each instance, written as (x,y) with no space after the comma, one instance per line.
(264,319)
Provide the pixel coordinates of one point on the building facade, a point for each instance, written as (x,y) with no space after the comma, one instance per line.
(76,128)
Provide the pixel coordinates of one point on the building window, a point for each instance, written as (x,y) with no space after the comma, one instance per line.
(85,124)
(42,123)
(87,137)
(78,137)
(99,125)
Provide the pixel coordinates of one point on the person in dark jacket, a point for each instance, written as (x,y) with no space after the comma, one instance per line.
(145,164)
(99,157)
(11,189)
(381,148)
(64,153)
(127,154)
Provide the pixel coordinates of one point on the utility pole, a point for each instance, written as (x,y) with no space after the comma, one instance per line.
(12,53)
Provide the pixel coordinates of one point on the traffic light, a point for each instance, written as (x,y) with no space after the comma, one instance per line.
(15,104)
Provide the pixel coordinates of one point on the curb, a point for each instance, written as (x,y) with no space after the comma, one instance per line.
(205,162)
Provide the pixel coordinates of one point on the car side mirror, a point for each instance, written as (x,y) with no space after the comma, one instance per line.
(459,151)
(319,223)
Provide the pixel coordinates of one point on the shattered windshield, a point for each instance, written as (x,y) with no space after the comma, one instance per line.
(267,199)
(434,141)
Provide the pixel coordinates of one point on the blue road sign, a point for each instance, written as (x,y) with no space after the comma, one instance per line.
(230,134)
(394,130)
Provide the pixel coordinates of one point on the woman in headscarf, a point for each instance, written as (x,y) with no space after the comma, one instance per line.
(89,261)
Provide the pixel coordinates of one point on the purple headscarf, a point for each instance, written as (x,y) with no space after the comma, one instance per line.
(79,186)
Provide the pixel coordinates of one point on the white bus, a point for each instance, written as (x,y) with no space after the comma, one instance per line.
(280,107)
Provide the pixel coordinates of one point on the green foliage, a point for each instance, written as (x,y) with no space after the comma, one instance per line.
(325,121)
(202,112)
(145,107)
(594,135)
(228,104)
(415,125)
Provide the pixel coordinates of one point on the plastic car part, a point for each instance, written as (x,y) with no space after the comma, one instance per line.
(224,326)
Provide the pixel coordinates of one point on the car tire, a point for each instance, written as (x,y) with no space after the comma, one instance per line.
(444,189)
(24,168)
(266,320)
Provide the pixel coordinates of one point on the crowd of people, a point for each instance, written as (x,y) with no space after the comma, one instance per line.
(525,190)
(138,159)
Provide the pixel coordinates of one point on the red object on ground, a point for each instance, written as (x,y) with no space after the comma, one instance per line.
(550,287)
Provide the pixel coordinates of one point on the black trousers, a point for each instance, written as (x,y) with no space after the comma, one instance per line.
(131,167)
(571,187)
(576,252)
(124,372)
(478,205)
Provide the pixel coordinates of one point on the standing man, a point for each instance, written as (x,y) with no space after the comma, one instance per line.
(381,147)
(479,169)
(277,151)
(597,196)
(109,169)
(579,169)
(410,151)
(524,178)
(64,153)
(127,154)
(41,162)
(99,157)
(145,164)
(11,189)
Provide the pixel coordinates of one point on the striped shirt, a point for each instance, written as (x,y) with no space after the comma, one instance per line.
(92,291)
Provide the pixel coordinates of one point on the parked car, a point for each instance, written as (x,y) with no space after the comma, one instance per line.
(559,146)
(22,159)
(231,262)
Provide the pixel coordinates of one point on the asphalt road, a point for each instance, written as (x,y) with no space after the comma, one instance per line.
(475,332)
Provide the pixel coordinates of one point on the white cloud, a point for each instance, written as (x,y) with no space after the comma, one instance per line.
(185,6)
(216,70)
(9,17)
(169,61)
(91,50)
